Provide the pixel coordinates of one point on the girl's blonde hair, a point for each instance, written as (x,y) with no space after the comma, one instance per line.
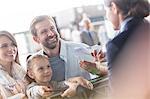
(31,58)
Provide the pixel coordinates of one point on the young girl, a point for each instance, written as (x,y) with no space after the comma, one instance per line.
(39,70)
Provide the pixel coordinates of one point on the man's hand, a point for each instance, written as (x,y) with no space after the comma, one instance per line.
(45,91)
(81,81)
(71,91)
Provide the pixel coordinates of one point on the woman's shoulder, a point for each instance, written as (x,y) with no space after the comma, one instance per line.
(18,71)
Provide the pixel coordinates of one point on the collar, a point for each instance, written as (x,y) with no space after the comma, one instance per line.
(85,30)
(124,24)
(63,48)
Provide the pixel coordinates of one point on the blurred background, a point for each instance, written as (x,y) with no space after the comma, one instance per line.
(16,16)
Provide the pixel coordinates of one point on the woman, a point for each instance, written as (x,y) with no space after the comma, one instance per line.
(11,73)
(127,61)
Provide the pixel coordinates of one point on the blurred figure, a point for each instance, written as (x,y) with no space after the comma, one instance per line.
(128,52)
(88,36)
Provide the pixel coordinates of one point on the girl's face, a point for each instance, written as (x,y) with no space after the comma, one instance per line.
(41,71)
(8,50)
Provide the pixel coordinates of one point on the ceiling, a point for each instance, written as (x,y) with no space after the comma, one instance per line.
(16,15)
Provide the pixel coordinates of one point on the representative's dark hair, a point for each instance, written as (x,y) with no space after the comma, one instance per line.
(135,8)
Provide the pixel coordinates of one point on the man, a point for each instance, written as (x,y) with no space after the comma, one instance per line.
(62,54)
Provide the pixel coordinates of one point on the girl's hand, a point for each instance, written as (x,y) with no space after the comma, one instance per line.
(71,91)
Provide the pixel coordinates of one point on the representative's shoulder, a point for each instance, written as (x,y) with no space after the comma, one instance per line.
(144,27)
(18,69)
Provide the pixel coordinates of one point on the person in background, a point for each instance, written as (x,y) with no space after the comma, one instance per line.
(87,35)
(127,52)
(39,70)
(11,73)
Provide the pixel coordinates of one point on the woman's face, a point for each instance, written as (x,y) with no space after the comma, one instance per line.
(8,50)
(112,15)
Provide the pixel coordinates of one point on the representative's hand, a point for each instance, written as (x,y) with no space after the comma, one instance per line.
(45,91)
(71,91)
(98,56)
(81,81)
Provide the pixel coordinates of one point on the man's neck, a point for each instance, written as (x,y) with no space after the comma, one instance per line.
(53,52)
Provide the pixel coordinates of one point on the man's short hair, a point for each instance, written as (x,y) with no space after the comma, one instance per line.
(37,20)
